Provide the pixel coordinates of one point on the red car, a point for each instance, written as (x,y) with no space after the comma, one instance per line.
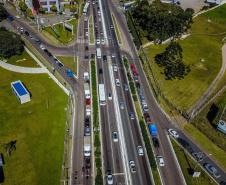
(88,164)
(134,73)
(88,101)
(132,67)
(147,118)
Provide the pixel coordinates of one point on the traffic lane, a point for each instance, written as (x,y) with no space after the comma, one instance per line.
(206,157)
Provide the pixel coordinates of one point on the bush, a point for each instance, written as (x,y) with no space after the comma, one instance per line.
(97,141)
(97,153)
(134,97)
(212,5)
(132,87)
(205,8)
(99,179)
(98,162)
(125,62)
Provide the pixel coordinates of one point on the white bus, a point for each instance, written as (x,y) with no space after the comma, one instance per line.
(102,97)
(98,53)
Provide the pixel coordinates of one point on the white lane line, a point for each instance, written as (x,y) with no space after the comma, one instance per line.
(103,23)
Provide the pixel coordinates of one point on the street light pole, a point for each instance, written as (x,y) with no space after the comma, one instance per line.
(199,160)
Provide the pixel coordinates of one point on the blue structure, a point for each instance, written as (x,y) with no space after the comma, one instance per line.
(21,92)
(129,5)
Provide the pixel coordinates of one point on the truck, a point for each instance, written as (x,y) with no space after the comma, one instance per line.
(87,146)
(68,71)
(153,130)
(98,53)
(132,167)
(87,91)
(10,18)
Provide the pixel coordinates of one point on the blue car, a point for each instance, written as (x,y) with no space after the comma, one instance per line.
(60,64)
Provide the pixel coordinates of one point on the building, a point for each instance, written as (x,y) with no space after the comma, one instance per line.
(218,2)
(21,92)
(86,8)
(47,4)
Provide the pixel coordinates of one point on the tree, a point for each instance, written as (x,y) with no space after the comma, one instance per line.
(190,10)
(11,43)
(212,5)
(41,10)
(3,13)
(36,5)
(28,11)
(171,60)
(54,8)
(9,147)
(23,6)
(74,8)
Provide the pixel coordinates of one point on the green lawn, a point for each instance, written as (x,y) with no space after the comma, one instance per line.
(184,93)
(91,37)
(39,132)
(69,62)
(64,36)
(187,165)
(24,60)
(117,30)
(218,14)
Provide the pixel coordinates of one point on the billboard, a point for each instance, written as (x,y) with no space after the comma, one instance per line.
(222,126)
(54,29)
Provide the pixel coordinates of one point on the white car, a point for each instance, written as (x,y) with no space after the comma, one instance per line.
(140,150)
(98,41)
(112,55)
(109,177)
(145,106)
(41,46)
(99,19)
(132,167)
(115,68)
(63,13)
(17,16)
(173,133)
(22,30)
(115,137)
(109,96)
(117,82)
(112,26)
(160,160)
(102,42)
(87,33)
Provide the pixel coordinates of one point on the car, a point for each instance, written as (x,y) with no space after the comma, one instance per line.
(104,57)
(96,32)
(109,37)
(137,84)
(87,33)
(100,71)
(212,170)
(98,8)
(222,183)
(87,122)
(117,82)
(46,50)
(87,132)
(184,143)
(31,37)
(131,115)
(102,41)
(93,2)
(126,87)
(112,55)
(132,167)
(147,118)
(21,30)
(160,160)
(60,64)
(122,106)
(134,73)
(155,142)
(101,32)
(86,48)
(37,42)
(115,136)
(96,25)
(178,2)
(42,47)
(87,101)
(112,26)
(144,106)
(197,156)
(88,164)
(99,19)
(86,27)
(26,33)
(17,16)
(115,68)
(49,54)
(98,41)
(173,133)
(135,78)
(55,60)
(140,92)
(109,96)
(140,150)
(109,177)
(142,98)
(132,67)
(86,57)
(63,13)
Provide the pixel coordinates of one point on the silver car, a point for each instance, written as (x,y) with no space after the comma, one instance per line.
(131,115)
(142,98)
(121,105)
(126,87)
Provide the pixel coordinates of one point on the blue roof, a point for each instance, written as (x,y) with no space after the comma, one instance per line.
(19,88)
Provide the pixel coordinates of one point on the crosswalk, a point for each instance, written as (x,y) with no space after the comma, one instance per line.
(81,41)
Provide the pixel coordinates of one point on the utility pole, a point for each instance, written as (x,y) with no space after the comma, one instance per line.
(199,160)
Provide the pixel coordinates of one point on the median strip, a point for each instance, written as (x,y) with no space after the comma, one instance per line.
(117,30)
(91,37)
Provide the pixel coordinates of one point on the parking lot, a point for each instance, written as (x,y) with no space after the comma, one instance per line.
(195,4)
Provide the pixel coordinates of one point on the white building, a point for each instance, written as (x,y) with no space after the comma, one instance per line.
(21,92)
(218,2)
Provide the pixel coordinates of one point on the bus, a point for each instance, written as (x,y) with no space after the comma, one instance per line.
(102,97)
(98,53)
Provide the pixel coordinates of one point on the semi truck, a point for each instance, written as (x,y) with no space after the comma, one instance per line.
(153,130)
(87,91)
(87,146)
(68,71)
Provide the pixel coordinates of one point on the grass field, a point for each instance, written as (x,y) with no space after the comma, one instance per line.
(117,30)
(69,62)
(91,36)
(218,14)
(24,60)
(187,165)
(38,131)
(184,93)
(64,36)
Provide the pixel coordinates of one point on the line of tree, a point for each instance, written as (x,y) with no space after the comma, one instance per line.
(23,7)
(11,43)
(160,21)
(171,60)
(3,13)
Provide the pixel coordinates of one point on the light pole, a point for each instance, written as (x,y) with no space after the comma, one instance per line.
(201,153)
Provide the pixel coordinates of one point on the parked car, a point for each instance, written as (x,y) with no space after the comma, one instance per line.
(135,78)
(126,87)
(31,37)
(26,33)
(173,133)
(49,54)
(140,92)
(197,156)
(147,118)
(100,71)
(46,50)
(142,98)
(155,142)
(140,150)
(87,101)
(144,106)
(115,136)
(134,73)
(88,164)
(109,177)
(86,57)
(86,48)
(87,122)
(87,132)
(184,143)
(41,46)
(160,160)
(121,105)
(98,41)
(131,115)
(115,68)
(102,41)
(212,170)
(137,84)
(132,67)
(117,82)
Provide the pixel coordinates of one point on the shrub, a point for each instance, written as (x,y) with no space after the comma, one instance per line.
(97,141)
(132,87)
(98,162)
(97,153)
(212,5)
(134,97)
(99,179)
